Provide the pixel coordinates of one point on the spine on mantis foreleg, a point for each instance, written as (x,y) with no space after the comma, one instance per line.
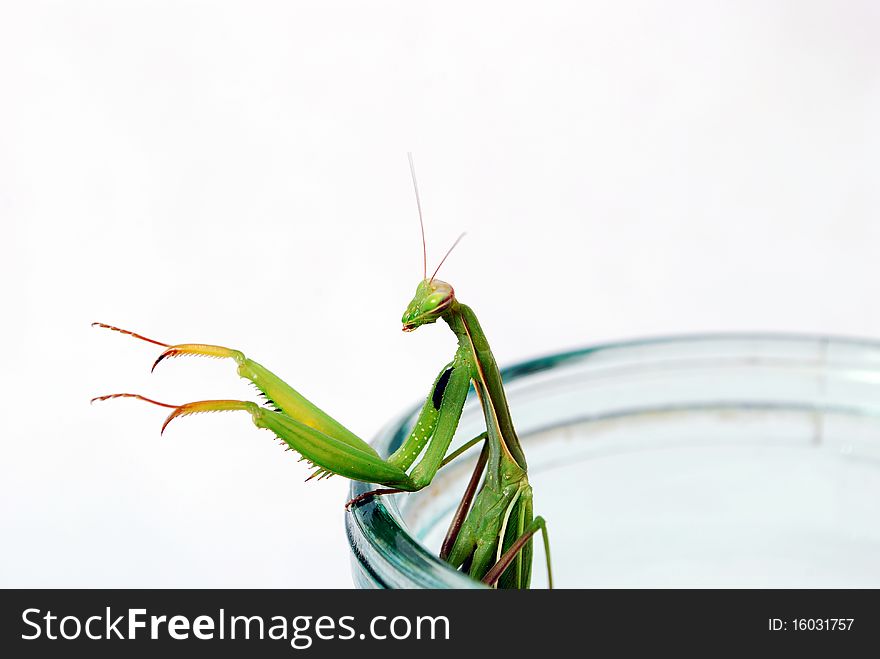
(324,450)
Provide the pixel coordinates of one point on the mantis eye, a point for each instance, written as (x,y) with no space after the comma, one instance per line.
(432,302)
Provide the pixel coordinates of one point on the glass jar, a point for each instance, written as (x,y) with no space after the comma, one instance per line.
(697,461)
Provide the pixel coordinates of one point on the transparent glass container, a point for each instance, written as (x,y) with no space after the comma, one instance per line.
(696,461)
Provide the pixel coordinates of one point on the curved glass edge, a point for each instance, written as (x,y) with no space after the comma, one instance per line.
(384,555)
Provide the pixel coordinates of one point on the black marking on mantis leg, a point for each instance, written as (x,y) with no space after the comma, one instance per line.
(437,396)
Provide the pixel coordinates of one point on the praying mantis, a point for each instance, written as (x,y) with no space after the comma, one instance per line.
(491,533)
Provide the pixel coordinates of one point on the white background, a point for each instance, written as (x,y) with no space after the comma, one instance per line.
(235,173)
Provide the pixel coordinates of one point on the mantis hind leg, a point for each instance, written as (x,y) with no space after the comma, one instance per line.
(464,505)
(513,568)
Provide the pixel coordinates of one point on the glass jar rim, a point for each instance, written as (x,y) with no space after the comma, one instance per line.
(380,543)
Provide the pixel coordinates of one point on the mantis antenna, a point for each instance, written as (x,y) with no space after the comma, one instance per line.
(412,170)
(457,240)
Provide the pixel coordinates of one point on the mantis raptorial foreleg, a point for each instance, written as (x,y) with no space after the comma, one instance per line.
(319,438)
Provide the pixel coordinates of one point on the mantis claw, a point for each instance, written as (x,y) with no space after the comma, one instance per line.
(369,495)
(180,349)
(203,406)
(187,409)
(199,349)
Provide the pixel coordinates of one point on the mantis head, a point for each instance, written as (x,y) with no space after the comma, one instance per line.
(432,299)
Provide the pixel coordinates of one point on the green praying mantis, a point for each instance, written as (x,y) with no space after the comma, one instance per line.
(490,536)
